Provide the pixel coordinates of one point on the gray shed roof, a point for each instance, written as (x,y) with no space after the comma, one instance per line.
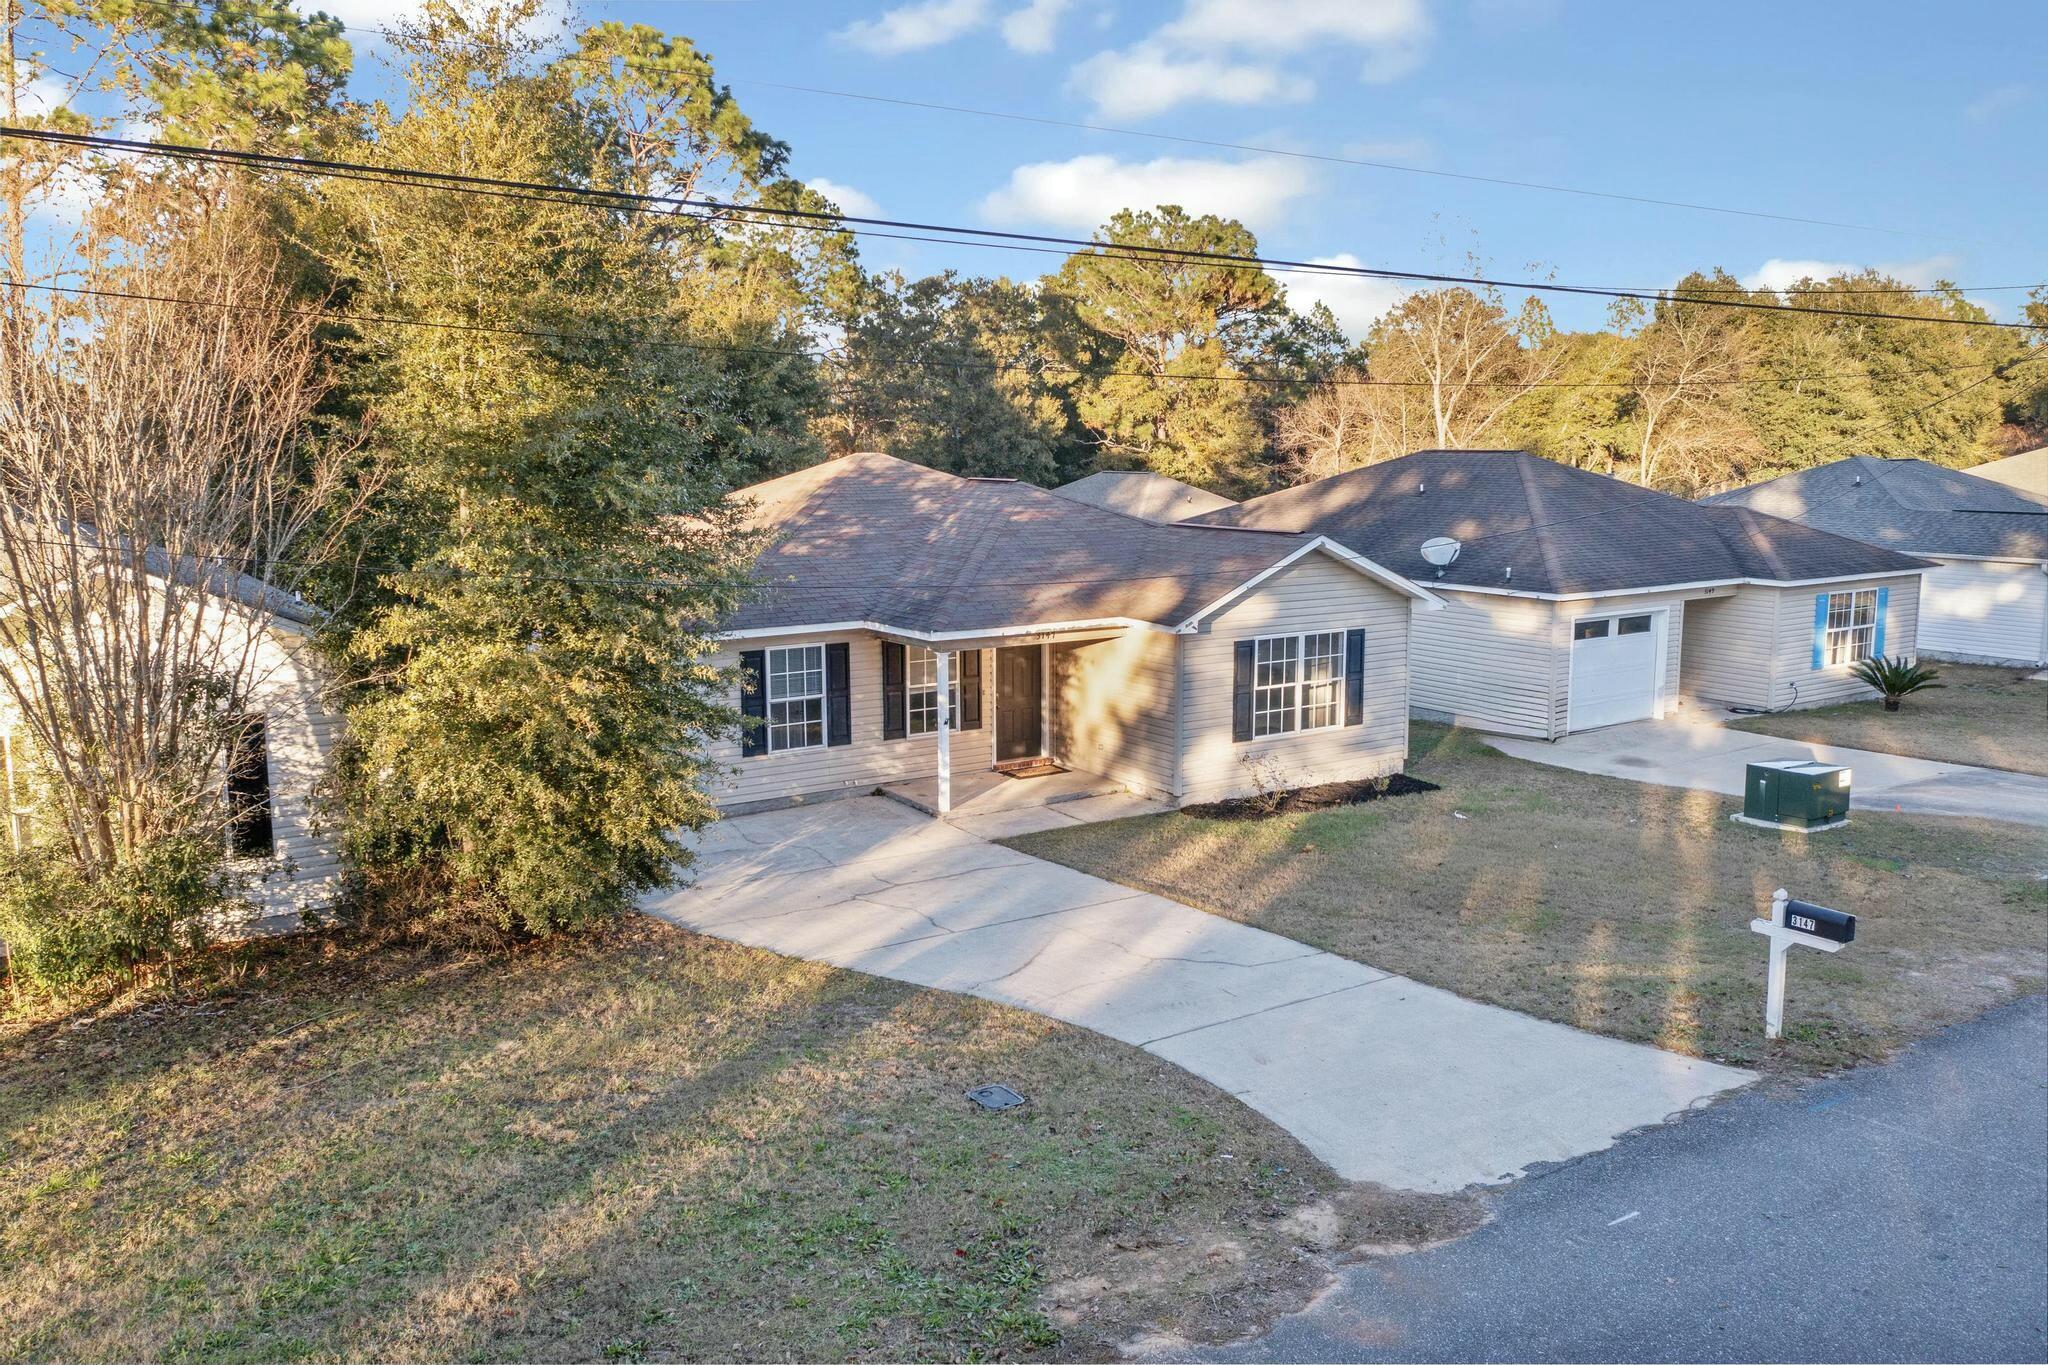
(1139,493)
(2026,471)
(871,538)
(1561,531)
(1908,505)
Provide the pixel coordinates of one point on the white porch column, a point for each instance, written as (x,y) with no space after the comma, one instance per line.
(945,731)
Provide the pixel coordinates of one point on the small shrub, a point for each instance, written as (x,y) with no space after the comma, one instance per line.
(65,928)
(1895,678)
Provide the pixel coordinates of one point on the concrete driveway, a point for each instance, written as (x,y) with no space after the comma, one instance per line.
(1384,1078)
(1698,753)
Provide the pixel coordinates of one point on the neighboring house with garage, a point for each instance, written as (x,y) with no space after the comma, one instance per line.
(1576,601)
(917,631)
(1139,493)
(1986,599)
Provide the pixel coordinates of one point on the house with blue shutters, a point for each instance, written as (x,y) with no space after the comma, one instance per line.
(1574,600)
(936,637)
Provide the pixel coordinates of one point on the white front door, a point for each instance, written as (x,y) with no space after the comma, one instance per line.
(1614,670)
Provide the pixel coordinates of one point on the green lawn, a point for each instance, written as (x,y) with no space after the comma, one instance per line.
(1615,906)
(1993,717)
(641,1145)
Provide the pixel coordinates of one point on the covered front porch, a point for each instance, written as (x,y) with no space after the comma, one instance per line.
(995,804)
(1047,711)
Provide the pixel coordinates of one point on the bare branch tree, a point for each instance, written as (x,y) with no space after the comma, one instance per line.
(161,500)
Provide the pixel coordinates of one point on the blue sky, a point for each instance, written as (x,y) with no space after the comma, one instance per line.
(1885,115)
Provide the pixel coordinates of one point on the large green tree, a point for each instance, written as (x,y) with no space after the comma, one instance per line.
(1190,344)
(972,376)
(577,390)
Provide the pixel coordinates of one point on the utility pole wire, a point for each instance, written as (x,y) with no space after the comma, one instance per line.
(630,200)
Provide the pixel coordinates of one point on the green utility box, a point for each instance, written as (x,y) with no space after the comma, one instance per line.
(1794,793)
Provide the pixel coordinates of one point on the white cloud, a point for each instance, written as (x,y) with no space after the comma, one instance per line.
(1225,50)
(849,199)
(1996,103)
(1357,300)
(1780,274)
(1146,80)
(1296,25)
(1084,192)
(914,27)
(1033,28)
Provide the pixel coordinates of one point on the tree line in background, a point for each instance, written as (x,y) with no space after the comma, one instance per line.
(496,432)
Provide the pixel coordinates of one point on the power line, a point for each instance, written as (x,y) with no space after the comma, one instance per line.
(1339,379)
(633,201)
(1215,143)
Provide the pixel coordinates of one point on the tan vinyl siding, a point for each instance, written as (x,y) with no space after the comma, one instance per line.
(1987,611)
(866,763)
(1316,594)
(1113,708)
(1797,682)
(1487,662)
(1729,646)
(1671,606)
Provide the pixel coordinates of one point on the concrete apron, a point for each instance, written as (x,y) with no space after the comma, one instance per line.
(1699,754)
(1384,1078)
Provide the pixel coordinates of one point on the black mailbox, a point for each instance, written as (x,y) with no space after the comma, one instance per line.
(1820,921)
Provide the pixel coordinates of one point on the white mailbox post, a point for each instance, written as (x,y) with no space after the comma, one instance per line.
(1796,922)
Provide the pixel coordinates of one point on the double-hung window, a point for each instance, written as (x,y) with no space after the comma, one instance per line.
(921,681)
(1297,683)
(796,697)
(1852,626)
(1322,680)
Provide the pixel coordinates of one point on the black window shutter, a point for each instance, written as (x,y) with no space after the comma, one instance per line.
(894,725)
(838,695)
(754,702)
(1241,694)
(969,661)
(1354,677)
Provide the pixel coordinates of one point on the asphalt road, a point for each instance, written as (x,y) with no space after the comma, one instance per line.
(1896,1213)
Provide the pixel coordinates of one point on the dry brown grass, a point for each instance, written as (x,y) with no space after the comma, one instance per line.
(645,1144)
(1992,717)
(1615,906)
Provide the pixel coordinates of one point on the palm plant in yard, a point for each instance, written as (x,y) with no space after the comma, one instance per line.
(1895,678)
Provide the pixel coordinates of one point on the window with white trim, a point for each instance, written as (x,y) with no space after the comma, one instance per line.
(921,682)
(1852,626)
(1276,684)
(796,697)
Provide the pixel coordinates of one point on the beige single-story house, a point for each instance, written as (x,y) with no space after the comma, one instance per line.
(920,632)
(1576,601)
(1985,599)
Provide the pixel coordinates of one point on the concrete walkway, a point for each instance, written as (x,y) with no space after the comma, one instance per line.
(1382,1077)
(1701,754)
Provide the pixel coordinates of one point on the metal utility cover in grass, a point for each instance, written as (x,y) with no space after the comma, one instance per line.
(995,1097)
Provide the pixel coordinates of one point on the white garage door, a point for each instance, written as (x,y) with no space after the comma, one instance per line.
(1614,670)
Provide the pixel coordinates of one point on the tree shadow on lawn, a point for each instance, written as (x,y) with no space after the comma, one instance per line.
(649,1145)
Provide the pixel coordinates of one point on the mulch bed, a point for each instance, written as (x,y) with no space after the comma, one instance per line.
(1328,796)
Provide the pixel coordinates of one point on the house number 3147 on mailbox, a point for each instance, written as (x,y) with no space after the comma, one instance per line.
(1796,923)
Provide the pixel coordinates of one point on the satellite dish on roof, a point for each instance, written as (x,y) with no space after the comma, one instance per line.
(1441,550)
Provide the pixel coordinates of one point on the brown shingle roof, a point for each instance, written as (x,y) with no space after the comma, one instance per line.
(876,539)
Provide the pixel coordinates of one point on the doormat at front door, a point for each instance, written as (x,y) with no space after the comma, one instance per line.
(1038,767)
